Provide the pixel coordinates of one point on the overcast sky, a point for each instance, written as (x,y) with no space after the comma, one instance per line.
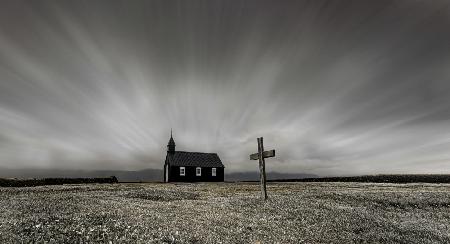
(336,87)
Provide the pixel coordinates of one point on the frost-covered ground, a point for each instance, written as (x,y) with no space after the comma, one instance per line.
(226,213)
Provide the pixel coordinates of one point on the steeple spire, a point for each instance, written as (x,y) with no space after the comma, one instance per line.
(171,144)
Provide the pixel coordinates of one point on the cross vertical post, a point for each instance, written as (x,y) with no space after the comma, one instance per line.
(262,168)
(261,155)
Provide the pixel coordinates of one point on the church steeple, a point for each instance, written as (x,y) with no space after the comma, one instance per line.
(171,144)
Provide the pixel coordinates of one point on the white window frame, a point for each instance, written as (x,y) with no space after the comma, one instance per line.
(182,171)
(214,172)
(198,171)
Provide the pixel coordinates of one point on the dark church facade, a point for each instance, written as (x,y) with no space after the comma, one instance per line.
(183,166)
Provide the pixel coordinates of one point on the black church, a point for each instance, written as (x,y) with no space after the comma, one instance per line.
(191,166)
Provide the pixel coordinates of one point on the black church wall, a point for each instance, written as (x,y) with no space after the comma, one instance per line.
(190,176)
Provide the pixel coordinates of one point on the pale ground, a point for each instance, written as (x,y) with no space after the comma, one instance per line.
(227,213)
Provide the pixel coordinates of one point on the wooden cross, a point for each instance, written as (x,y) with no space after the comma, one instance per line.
(261,155)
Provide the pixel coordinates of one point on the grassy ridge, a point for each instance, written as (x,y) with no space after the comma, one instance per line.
(377,179)
(54,181)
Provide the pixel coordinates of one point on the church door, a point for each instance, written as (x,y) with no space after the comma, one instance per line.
(166,177)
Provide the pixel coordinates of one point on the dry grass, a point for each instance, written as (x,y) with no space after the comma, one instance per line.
(227,213)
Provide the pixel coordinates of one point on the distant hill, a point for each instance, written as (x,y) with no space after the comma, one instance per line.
(122,175)
(145,175)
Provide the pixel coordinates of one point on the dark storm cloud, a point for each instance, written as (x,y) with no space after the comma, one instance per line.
(337,87)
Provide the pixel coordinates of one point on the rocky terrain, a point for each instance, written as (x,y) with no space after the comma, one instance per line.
(226,213)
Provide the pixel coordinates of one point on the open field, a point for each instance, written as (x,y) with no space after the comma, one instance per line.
(227,213)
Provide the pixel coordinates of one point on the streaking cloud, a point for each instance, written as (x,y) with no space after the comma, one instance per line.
(337,87)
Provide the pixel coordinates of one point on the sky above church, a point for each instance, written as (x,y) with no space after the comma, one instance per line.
(336,87)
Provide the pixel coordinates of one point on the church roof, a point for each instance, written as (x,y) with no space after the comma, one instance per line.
(196,159)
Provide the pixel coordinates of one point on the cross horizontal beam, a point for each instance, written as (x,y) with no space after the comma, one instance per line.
(266,154)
